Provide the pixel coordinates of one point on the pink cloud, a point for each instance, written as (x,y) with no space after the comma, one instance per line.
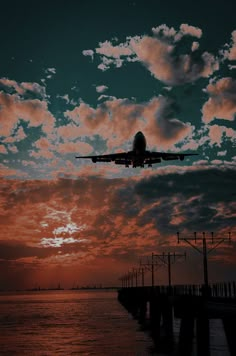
(34,111)
(222,153)
(42,143)
(107,49)
(82,148)
(191,30)
(230,52)
(88,52)
(216,134)
(22,88)
(42,154)
(222,101)
(18,136)
(5,172)
(46,148)
(170,32)
(69,131)
(158,57)
(12,148)
(217,162)
(157,54)
(116,121)
(29,163)
(3,149)
(101,88)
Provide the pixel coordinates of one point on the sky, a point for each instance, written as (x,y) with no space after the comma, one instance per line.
(82,77)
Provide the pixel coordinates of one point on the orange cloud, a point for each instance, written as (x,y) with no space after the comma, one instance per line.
(79,223)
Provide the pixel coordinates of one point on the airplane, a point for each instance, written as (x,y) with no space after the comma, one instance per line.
(139,156)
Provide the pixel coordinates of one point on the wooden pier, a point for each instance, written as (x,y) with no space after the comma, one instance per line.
(155,307)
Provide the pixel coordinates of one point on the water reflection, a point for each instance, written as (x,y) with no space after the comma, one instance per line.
(68,323)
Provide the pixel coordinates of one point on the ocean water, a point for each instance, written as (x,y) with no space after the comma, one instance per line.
(68,323)
(80,323)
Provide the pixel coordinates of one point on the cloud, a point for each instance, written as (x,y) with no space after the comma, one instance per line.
(158,54)
(33,111)
(59,241)
(106,97)
(160,59)
(64,97)
(74,147)
(24,87)
(7,172)
(108,50)
(230,51)
(96,219)
(51,70)
(195,46)
(88,52)
(117,120)
(216,134)
(101,88)
(12,148)
(222,153)
(3,149)
(190,30)
(222,100)
(72,208)
(171,33)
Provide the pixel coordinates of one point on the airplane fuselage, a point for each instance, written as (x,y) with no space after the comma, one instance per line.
(139,149)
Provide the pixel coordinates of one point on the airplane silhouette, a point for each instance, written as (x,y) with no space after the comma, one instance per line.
(139,156)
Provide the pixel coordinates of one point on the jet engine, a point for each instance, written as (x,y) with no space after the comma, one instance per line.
(154,160)
(121,161)
(170,158)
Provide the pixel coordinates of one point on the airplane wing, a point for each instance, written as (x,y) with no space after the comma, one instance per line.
(156,157)
(119,158)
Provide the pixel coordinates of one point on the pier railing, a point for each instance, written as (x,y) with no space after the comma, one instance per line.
(223,290)
(155,307)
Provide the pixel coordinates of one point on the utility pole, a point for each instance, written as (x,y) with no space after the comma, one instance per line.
(131,275)
(142,273)
(205,251)
(168,259)
(135,273)
(153,281)
(150,265)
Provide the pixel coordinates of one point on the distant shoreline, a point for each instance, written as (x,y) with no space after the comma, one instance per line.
(57,289)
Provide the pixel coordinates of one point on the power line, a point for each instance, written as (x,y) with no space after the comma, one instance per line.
(205,251)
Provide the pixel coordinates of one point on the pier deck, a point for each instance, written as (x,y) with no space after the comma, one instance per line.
(155,308)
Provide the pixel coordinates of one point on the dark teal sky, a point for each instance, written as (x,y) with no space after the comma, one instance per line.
(55,34)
